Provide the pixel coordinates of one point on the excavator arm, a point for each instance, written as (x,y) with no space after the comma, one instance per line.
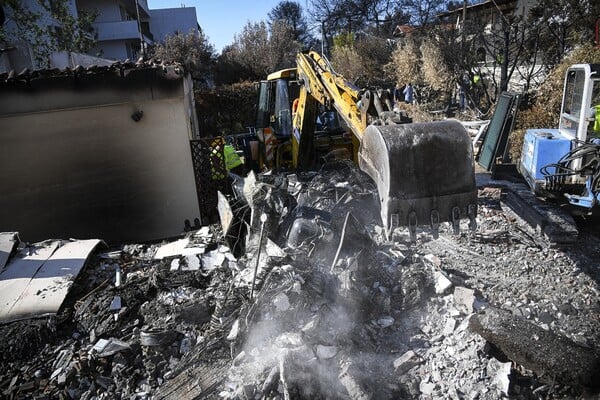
(424,171)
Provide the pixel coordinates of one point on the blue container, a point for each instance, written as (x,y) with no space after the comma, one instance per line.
(540,148)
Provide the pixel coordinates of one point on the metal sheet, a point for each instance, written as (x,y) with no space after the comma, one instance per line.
(8,241)
(37,283)
(496,137)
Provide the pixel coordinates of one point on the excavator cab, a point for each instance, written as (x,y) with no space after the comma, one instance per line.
(274,118)
(277,102)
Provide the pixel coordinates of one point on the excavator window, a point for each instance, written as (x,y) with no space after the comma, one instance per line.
(594,125)
(283,109)
(275,105)
(572,101)
(264,104)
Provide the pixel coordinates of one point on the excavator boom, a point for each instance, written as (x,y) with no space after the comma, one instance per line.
(424,171)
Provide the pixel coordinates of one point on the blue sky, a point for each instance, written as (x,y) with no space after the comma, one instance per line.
(222,19)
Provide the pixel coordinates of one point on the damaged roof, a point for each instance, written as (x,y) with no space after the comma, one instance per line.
(120,69)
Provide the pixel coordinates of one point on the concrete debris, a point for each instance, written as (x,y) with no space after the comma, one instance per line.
(8,243)
(177,248)
(465,299)
(500,371)
(407,361)
(337,312)
(326,352)
(433,260)
(442,283)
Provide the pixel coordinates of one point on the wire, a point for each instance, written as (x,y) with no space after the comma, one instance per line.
(588,153)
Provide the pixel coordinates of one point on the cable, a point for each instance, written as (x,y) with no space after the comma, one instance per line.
(589,153)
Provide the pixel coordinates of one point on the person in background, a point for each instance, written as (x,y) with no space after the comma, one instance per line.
(461,97)
(408,93)
(397,94)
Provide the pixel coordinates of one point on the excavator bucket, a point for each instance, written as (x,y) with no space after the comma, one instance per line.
(424,174)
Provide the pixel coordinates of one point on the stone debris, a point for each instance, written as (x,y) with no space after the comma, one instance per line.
(405,362)
(465,299)
(337,311)
(500,371)
(442,283)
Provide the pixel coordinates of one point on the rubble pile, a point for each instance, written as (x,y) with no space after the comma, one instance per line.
(320,304)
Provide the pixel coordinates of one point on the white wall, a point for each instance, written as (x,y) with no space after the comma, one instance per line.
(168,21)
(75,164)
(112,50)
(108,10)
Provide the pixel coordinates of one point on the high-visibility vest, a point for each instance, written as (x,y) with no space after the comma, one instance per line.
(232,159)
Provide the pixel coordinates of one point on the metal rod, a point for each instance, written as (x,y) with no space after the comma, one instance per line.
(263,219)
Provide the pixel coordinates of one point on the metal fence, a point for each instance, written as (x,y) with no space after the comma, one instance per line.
(211,175)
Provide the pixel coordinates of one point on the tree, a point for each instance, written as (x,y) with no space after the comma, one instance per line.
(291,13)
(362,60)
(192,50)
(422,12)
(258,51)
(405,62)
(562,25)
(51,26)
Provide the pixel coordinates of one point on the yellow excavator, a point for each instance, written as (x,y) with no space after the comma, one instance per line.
(423,171)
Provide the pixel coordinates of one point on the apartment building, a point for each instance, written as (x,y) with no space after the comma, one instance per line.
(122,28)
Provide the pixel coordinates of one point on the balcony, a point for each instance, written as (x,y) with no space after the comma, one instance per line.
(117,30)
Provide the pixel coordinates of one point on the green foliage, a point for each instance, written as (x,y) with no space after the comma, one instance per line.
(257,52)
(52,27)
(543,106)
(343,40)
(291,13)
(226,109)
